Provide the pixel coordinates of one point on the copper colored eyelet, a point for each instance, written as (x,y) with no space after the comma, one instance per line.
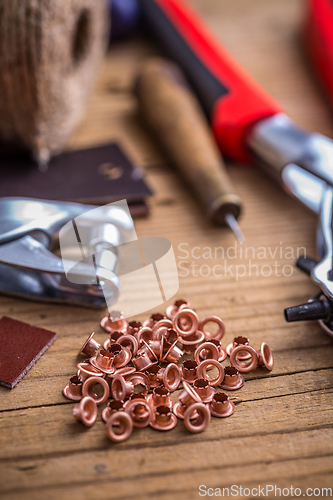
(222,353)
(154,318)
(233,380)
(114,321)
(103,362)
(73,390)
(126,370)
(193,322)
(152,374)
(133,327)
(210,350)
(90,347)
(212,319)
(130,342)
(241,366)
(173,354)
(144,334)
(140,412)
(265,356)
(152,349)
(88,389)
(123,422)
(172,310)
(161,327)
(86,370)
(160,397)
(86,411)
(113,339)
(112,407)
(188,395)
(200,423)
(121,389)
(202,371)
(170,377)
(139,380)
(122,355)
(189,371)
(237,342)
(191,342)
(142,362)
(163,419)
(204,390)
(221,406)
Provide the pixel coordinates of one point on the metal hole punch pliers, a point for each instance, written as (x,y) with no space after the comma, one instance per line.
(250,125)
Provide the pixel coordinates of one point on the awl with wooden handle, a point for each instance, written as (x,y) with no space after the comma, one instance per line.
(174,114)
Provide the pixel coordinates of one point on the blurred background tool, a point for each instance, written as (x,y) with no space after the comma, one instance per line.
(172,111)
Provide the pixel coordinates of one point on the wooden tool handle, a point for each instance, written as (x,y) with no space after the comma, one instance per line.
(173,112)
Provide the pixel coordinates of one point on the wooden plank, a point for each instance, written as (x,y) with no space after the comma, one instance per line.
(112,466)
(59,433)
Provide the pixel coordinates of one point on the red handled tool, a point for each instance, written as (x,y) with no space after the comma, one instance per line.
(248,123)
(245,120)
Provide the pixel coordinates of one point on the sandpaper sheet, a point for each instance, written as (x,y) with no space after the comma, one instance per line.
(21,345)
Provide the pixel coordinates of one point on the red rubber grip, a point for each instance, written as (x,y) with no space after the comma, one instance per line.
(245,103)
(318,41)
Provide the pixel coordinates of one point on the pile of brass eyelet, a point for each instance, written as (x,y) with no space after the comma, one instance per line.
(141,364)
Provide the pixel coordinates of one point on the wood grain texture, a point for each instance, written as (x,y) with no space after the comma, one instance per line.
(282,430)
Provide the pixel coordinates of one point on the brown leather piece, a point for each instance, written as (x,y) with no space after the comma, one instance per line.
(21,345)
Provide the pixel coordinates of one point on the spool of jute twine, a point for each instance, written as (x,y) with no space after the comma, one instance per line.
(50,51)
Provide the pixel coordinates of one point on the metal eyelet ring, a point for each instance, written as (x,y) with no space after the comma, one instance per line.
(86,411)
(201,422)
(88,389)
(239,365)
(213,352)
(201,371)
(130,342)
(213,319)
(171,377)
(124,421)
(193,319)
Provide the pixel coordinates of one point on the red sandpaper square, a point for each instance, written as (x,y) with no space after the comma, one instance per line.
(21,345)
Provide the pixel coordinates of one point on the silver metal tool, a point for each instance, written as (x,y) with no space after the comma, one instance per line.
(303,163)
(29,267)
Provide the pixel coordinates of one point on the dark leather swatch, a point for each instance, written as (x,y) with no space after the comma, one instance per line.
(21,345)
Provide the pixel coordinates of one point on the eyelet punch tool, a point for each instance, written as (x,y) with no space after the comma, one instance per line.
(249,125)
(29,230)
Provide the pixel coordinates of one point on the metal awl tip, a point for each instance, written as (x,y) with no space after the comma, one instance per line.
(234,226)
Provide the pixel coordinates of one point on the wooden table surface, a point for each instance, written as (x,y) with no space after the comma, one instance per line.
(281,432)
